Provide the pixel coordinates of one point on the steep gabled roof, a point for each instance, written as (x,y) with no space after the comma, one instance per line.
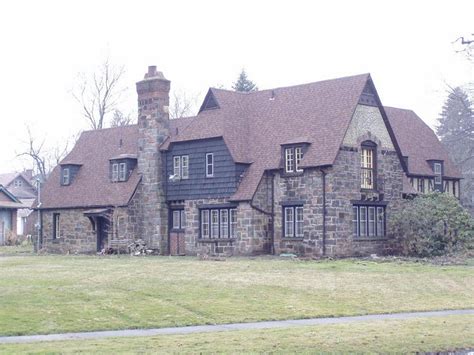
(418,141)
(8,200)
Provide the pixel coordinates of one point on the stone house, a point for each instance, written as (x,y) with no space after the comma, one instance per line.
(314,169)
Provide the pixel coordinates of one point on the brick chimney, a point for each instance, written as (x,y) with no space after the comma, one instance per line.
(153,129)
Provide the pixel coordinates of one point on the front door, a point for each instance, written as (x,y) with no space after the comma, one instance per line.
(102,229)
(176,235)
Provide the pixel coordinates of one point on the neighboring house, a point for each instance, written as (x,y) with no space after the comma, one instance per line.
(21,186)
(9,205)
(314,169)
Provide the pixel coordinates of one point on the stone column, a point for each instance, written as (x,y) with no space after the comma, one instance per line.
(153,128)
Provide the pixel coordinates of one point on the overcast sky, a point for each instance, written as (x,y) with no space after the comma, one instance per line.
(405,45)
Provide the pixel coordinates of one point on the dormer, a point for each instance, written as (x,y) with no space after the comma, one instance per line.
(292,153)
(210,102)
(68,173)
(121,167)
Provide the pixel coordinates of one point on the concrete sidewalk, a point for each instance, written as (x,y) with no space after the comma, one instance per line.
(225,327)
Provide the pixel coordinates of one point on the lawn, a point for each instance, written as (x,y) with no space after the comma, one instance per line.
(50,294)
(388,336)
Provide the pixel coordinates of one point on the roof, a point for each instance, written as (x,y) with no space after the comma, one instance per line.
(8,200)
(92,186)
(318,113)
(418,141)
(8,178)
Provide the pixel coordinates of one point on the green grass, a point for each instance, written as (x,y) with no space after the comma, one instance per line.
(388,336)
(50,294)
(24,249)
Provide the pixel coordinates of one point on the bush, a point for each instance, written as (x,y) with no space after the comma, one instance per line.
(431,225)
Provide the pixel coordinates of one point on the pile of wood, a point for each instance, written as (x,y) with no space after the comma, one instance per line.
(138,247)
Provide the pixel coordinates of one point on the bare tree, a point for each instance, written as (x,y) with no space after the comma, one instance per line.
(99,93)
(43,160)
(120,119)
(182,104)
(467,47)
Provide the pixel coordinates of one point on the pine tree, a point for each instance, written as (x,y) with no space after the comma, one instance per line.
(244,84)
(456,130)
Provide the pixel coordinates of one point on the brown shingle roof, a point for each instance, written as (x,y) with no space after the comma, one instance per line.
(418,141)
(254,125)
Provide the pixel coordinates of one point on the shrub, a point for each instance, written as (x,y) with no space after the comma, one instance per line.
(431,225)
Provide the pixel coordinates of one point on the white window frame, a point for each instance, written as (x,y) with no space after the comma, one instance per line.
(66,176)
(115,172)
(363,219)
(298,157)
(232,223)
(177,166)
(367,168)
(299,222)
(214,223)
(122,175)
(371,220)
(289,222)
(205,227)
(210,165)
(185,167)
(182,219)
(224,223)
(355,220)
(289,160)
(437,168)
(380,217)
(18,183)
(56,226)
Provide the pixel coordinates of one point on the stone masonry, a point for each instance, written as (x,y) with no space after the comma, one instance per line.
(153,125)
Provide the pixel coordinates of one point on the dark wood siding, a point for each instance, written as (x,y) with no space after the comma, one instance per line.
(226,172)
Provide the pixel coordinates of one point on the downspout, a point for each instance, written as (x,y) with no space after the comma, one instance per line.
(272,235)
(323,175)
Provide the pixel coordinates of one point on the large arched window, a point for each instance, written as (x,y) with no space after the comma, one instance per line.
(368,165)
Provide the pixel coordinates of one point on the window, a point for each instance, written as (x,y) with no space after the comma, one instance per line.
(293,158)
(368,221)
(66,176)
(115,172)
(214,223)
(293,221)
(289,160)
(122,172)
(181,166)
(18,183)
(224,223)
(437,171)
(204,223)
(209,165)
(177,166)
(184,167)
(367,165)
(420,185)
(56,226)
(178,219)
(299,156)
(218,223)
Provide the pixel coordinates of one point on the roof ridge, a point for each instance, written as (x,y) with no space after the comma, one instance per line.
(291,86)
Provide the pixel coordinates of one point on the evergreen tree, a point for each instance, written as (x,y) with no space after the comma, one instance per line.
(456,130)
(244,84)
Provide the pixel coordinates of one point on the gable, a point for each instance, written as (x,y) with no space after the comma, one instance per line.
(367,120)
(210,102)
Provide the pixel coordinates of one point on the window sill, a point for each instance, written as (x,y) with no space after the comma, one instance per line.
(369,239)
(292,239)
(292,174)
(216,240)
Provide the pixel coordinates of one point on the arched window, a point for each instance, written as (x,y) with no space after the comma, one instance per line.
(368,165)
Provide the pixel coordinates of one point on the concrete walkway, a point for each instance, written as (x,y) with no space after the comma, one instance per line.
(225,327)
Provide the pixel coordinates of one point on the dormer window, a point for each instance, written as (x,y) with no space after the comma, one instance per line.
(367,165)
(66,176)
(293,157)
(18,183)
(121,167)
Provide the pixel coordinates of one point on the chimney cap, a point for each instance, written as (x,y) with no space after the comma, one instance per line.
(153,73)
